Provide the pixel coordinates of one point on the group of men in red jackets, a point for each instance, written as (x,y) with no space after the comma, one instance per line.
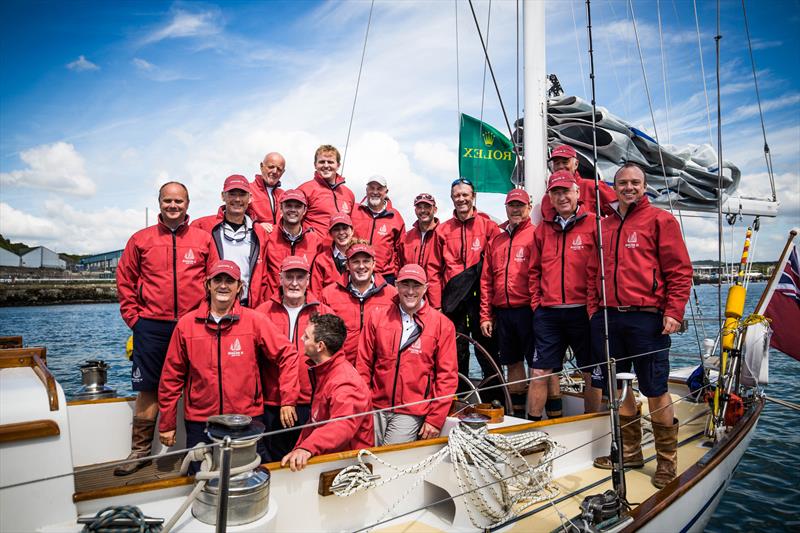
(300,306)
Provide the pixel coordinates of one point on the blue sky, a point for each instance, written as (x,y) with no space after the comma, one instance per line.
(103,101)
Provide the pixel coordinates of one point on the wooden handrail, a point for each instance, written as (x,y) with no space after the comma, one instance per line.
(11,342)
(35,429)
(36,358)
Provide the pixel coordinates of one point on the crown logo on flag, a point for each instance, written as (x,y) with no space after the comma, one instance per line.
(488,138)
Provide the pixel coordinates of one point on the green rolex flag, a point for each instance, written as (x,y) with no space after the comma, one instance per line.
(485,156)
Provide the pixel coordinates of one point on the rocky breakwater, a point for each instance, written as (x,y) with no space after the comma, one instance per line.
(50,292)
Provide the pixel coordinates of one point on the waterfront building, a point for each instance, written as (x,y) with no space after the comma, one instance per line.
(41,257)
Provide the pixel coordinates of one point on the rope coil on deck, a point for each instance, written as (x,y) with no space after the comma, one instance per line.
(490,470)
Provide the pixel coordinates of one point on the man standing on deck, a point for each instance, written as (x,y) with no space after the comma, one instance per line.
(564,157)
(289,237)
(415,246)
(326,192)
(562,245)
(265,190)
(382,226)
(648,280)
(160,278)
(238,239)
(505,311)
(356,293)
(454,270)
(407,355)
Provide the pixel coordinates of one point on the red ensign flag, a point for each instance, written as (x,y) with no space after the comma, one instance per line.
(784,309)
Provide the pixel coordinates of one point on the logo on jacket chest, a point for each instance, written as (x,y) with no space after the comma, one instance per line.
(235,349)
(188,258)
(519,257)
(416,347)
(382,231)
(577,243)
(345,207)
(476,245)
(633,241)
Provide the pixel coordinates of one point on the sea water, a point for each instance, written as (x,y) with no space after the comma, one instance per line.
(764,494)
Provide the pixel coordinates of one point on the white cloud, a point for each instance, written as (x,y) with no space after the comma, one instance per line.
(82,64)
(437,157)
(24,226)
(155,73)
(185,24)
(142,64)
(55,167)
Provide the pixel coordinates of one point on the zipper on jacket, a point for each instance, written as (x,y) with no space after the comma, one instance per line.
(422,244)
(427,387)
(464,244)
(563,259)
(400,348)
(361,313)
(616,260)
(219,364)
(655,281)
(272,206)
(372,231)
(508,261)
(175,273)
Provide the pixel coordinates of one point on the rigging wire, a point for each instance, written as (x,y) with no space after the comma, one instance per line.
(578,48)
(767,154)
(358,83)
(664,77)
(485,60)
(717,39)
(516,71)
(458,72)
(702,71)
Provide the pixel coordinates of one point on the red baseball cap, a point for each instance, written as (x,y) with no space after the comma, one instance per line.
(340,218)
(295,262)
(563,150)
(360,248)
(518,195)
(236,181)
(413,272)
(562,178)
(425,198)
(225,266)
(294,194)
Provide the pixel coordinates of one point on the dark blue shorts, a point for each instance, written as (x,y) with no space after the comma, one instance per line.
(150,343)
(196,433)
(558,328)
(632,334)
(279,445)
(514,334)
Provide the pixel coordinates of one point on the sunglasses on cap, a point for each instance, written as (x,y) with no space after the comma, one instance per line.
(459,181)
(424,197)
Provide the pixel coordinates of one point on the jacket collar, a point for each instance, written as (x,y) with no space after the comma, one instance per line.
(261,183)
(181,227)
(322,181)
(435,224)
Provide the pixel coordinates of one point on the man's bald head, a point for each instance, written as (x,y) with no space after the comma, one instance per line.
(272,168)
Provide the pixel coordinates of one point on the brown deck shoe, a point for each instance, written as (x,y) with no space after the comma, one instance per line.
(631,444)
(141,440)
(666,453)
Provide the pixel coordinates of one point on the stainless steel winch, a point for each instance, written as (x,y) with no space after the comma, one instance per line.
(247,492)
(93,377)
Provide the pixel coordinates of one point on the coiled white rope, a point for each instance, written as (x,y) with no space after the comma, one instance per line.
(490,469)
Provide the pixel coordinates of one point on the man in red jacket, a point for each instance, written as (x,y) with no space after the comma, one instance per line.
(237,238)
(289,237)
(159,279)
(505,293)
(339,392)
(382,226)
(407,354)
(415,247)
(562,246)
(454,270)
(326,192)
(648,277)
(331,262)
(289,309)
(212,360)
(265,190)
(357,292)
(564,157)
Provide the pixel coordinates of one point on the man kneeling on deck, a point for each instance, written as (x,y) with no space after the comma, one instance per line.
(407,354)
(337,391)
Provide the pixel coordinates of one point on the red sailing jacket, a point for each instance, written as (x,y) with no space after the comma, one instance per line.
(276,313)
(646,261)
(353,309)
(413,249)
(559,259)
(424,367)
(586,197)
(161,274)
(504,279)
(338,391)
(263,207)
(384,232)
(324,200)
(457,246)
(324,271)
(279,247)
(257,289)
(215,366)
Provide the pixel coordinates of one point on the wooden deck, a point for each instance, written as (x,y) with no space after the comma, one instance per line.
(92,478)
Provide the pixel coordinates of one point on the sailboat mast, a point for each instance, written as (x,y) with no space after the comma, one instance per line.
(535,130)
